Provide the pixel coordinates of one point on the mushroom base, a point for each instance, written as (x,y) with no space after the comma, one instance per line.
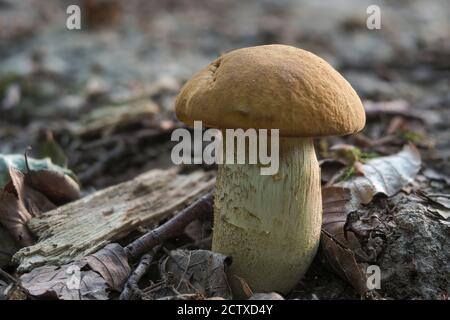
(269,225)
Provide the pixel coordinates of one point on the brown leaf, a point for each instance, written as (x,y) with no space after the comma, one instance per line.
(68,282)
(59,188)
(343,262)
(199,271)
(14,216)
(112,264)
(18,204)
(29,195)
(33,200)
(329,167)
(334,219)
(337,245)
(85,279)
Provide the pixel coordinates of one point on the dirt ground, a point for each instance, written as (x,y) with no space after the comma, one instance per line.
(137,56)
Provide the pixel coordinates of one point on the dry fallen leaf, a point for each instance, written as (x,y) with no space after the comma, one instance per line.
(68,282)
(27,165)
(56,186)
(26,196)
(198,271)
(383,175)
(112,264)
(342,261)
(87,279)
(29,195)
(334,219)
(338,246)
(13,212)
(329,167)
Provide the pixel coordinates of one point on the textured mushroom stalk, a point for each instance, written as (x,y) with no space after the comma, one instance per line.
(270,225)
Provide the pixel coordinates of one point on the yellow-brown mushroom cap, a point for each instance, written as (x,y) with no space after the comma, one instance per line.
(272,87)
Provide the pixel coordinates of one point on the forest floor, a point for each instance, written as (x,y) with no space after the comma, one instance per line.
(106,95)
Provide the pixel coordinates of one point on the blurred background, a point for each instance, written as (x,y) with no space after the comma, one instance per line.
(101,99)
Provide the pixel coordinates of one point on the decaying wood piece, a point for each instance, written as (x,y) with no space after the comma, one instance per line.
(80,228)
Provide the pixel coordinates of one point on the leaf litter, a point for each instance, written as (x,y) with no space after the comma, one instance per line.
(200,272)
(343,231)
(90,278)
(32,187)
(383,79)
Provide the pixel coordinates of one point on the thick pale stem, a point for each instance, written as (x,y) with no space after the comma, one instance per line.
(270,225)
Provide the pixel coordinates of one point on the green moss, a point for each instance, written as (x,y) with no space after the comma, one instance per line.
(348,173)
(412,136)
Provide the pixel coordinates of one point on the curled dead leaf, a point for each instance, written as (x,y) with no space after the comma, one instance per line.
(196,272)
(112,264)
(342,260)
(383,175)
(68,282)
(56,186)
(28,195)
(90,278)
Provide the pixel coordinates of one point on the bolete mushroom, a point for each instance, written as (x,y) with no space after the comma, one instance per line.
(270,225)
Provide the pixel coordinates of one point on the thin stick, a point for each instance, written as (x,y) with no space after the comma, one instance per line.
(8,277)
(131,290)
(27,166)
(171,228)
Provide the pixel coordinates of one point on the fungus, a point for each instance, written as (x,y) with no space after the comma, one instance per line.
(270,225)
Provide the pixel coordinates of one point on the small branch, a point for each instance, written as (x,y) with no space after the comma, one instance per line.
(101,163)
(171,228)
(131,290)
(27,166)
(8,277)
(15,282)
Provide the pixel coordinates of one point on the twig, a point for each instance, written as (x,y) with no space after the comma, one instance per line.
(171,228)
(8,277)
(436,195)
(185,270)
(101,163)
(131,290)
(15,282)
(27,166)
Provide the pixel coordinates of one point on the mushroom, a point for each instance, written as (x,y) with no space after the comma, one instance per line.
(270,225)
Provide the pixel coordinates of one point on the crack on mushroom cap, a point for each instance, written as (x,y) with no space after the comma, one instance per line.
(272,87)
